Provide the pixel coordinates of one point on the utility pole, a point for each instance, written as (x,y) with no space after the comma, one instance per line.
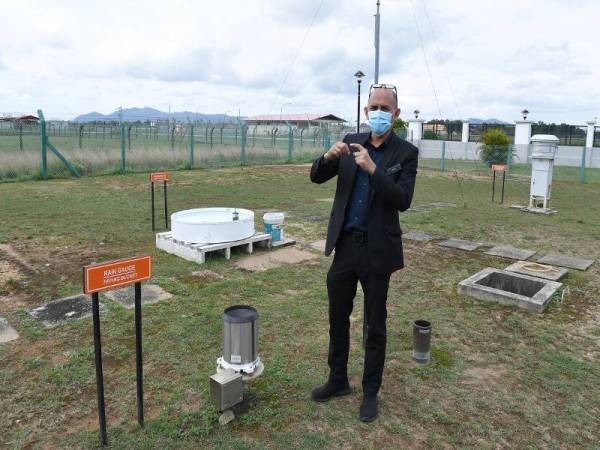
(377,44)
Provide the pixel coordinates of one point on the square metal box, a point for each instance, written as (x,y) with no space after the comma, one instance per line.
(226,390)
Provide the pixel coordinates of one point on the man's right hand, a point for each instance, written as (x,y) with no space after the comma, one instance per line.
(338,149)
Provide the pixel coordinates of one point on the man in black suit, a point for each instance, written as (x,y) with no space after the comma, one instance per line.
(376,178)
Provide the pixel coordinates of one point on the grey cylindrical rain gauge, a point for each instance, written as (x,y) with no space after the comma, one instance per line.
(240,361)
(421,341)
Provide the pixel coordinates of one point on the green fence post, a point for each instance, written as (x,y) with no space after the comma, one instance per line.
(43,140)
(122,148)
(290,143)
(191,145)
(509,158)
(443,160)
(243,131)
(582,166)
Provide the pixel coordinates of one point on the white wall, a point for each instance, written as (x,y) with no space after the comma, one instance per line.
(566,155)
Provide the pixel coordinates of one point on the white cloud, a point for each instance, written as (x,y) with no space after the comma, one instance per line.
(487,59)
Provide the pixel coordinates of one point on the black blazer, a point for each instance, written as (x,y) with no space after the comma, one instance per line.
(392,187)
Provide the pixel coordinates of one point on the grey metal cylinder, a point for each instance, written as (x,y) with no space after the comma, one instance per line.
(240,335)
(421,341)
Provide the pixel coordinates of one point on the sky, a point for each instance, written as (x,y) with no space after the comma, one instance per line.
(450,59)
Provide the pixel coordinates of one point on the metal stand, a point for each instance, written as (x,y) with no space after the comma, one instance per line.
(494,186)
(138,360)
(165,204)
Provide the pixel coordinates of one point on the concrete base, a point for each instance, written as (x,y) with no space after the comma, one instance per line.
(545,211)
(64,310)
(283,243)
(509,288)
(461,244)
(7,333)
(566,261)
(538,270)
(508,251)
(419,236)
(151,293)
(318,245)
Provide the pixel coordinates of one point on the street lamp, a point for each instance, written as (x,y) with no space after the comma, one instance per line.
(524,112)
(358,76)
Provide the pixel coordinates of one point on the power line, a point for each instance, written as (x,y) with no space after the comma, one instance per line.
(435,41)
(425,57)
(296,56)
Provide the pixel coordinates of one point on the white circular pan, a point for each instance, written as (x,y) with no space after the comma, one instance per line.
(212,225)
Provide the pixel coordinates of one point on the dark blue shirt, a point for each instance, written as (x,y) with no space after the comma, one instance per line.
(357,211)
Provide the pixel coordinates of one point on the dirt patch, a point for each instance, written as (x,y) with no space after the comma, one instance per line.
(8,272)
(276,258)
(16,257)
(207,276)
(483,375)
(13,302)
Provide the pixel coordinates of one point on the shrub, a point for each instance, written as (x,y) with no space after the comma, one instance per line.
(494,147)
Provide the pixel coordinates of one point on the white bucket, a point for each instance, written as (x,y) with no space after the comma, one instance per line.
(274,225)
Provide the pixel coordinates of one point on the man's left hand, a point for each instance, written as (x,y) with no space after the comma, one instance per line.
(362,158)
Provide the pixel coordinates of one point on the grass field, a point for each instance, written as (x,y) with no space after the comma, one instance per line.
(500,377)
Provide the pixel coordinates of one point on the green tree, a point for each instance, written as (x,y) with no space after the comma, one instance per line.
(494,147)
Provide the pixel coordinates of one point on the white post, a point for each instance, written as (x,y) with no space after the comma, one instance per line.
(415,129)
(589,137)
(522,132)
(465,130)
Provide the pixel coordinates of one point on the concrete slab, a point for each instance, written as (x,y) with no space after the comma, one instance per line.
(566,261)
(275,258)
(508,251)
(151,293)
(534,269)
(7,333)
(318,245)
(461,244)
(416,235)
(64,310)
(509,288)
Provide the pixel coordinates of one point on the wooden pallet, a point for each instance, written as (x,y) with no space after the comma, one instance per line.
(197,252)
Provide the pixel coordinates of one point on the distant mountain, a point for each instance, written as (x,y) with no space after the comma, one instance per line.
(476,121)
(144,114)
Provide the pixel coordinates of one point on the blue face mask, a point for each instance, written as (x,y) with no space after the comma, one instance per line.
(380,121)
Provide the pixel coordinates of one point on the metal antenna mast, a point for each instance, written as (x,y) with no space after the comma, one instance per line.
(377,45)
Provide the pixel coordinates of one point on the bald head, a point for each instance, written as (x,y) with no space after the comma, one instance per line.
(385,100)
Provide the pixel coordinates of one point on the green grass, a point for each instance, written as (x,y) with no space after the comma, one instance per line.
(500,376)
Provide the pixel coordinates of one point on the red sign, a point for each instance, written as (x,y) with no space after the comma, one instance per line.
(114,274)
(160,176)
(499,167)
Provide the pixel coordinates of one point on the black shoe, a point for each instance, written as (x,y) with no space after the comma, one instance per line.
(368,408)
(330,390)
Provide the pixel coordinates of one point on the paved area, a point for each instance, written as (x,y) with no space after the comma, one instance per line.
(151,293)
(419,236)
(64,310)
(508,251)
(566,261)
(461,244)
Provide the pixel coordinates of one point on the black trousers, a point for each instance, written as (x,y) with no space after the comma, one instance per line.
(350,265)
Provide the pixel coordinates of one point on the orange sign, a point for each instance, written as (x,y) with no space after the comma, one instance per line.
(499,167)
(160,176)
(114,274)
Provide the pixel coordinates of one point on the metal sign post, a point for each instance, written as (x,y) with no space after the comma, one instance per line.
(498,168)
(106,276)
(157,177)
